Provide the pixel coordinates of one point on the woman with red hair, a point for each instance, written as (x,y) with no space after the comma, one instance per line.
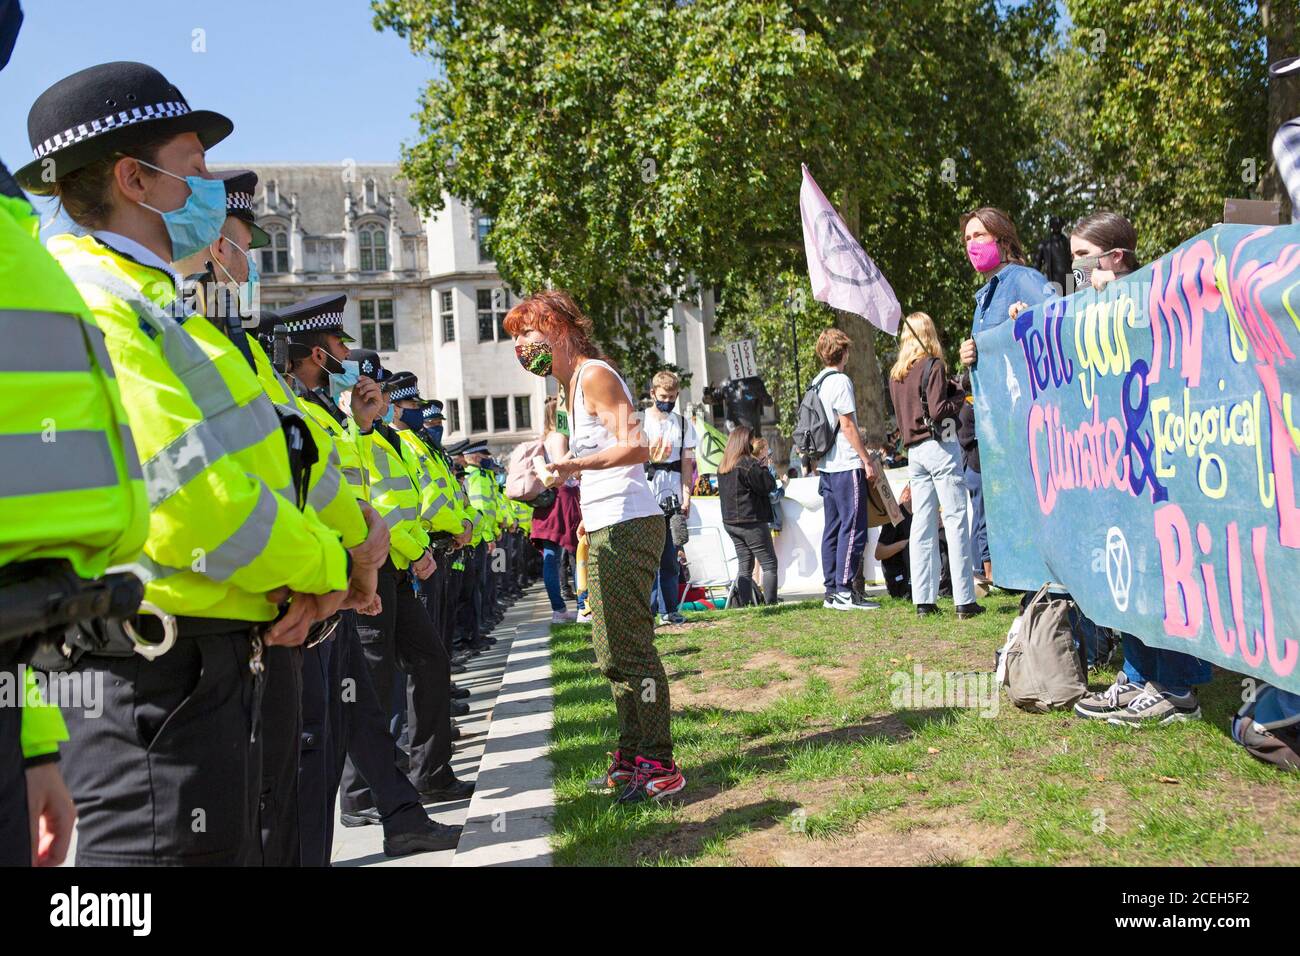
(625,530)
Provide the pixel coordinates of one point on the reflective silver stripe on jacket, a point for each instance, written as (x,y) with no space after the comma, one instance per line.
(72,461)
(227,428)
(134,471)
(238,551)
(323,493)
(189,454)
(398,515)
(400,483)
(40,341)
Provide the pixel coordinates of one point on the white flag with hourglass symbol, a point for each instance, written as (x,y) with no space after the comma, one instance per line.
(842,274)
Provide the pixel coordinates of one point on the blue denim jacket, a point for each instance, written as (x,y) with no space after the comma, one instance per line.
(1013,283)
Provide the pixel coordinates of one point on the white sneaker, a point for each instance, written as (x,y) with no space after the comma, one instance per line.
(564,617)
(583,617)
(845,601)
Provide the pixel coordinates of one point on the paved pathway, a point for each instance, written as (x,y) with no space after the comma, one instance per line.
(502,748)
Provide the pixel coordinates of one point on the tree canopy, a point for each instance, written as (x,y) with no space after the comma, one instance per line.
(637,151)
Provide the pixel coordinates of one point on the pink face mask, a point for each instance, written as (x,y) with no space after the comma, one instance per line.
(984,256)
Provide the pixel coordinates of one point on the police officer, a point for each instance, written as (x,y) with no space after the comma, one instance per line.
(431,434)
(400,636)
(342,715)
(448,520)
(171,771)
(476,621)
(221,284)
(74,506)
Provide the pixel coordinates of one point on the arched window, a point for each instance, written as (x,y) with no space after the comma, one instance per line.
(374,249)
(371,199)
(272,194)
(275,255)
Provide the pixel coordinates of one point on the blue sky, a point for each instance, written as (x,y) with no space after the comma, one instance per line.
(303,80)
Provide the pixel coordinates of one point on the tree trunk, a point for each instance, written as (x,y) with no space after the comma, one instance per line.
(1283,92)
(862,368)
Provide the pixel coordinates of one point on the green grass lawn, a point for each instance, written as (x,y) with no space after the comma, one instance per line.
(794,755)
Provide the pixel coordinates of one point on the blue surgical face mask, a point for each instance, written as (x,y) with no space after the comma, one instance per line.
(388,416)
(435,432)
(247,289)
(412,418)
(340,382)
(198,222)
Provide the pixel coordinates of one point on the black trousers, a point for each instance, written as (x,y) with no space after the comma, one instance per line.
(753,541)
(321,748)
(282,721)
(472,620)
(401,637)
(15,840)
(167,774)
(341,719)
(434,593)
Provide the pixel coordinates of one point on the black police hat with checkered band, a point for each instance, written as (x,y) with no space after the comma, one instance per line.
(433,411)
(370,365)
(104,110)
(323,313)
(241,186)
(405,386)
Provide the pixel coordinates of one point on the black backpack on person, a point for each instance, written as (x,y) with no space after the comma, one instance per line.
(814,435)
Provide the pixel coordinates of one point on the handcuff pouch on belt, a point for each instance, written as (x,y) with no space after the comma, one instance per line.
(56,617)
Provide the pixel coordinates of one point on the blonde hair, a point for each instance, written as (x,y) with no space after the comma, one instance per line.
(912,349)
(548,415)
(666,380)
(758,447)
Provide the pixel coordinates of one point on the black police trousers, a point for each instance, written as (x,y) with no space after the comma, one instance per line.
(401,637)
(167,774)
(470,622)
(277,807)
(341,719)
(15,840)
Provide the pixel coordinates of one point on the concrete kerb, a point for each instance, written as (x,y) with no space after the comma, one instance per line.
(509,818)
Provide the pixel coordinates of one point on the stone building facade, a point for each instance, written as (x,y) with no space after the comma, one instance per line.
(424,292)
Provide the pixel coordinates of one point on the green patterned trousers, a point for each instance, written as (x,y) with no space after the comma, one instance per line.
(621,567)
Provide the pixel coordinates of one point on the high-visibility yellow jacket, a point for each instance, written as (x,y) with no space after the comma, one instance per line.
(327,491)
(395,493)
(480,486)
(352,461)
(70,481)
(224,526)
(42,726)
(444,478)
(438,509)
(507,520)
(523,515)
(457,490)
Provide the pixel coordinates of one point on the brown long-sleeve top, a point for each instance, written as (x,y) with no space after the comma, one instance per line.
(944,396)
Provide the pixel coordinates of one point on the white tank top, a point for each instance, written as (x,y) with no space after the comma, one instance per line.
(609,495)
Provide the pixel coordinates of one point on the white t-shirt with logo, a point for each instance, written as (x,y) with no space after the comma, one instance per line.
(665,483)
(837,397)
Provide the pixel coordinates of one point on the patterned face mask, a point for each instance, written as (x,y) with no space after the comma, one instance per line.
(536,357)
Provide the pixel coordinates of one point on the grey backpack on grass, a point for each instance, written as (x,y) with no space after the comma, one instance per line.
(1040,665)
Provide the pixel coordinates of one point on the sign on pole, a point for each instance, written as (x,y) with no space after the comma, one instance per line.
(740,359)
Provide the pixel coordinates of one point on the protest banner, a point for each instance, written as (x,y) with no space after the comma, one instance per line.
(1138,448)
